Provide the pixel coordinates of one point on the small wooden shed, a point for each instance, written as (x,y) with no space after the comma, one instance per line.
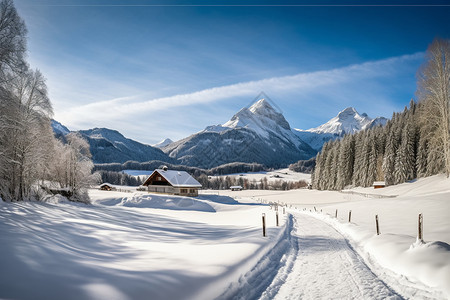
(379,184)
(106,187)
(172,182)
(236,188)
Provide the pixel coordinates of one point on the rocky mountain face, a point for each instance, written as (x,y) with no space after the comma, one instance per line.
(110,146)
(348,121)
(255,134)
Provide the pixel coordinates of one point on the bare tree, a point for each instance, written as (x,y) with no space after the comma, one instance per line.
(25,123)
(72,167)
(12,41)
(434,92)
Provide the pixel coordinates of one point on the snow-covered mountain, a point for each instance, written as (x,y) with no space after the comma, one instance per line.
(58,128)
(108,146)
(348,121)
(163,143)
(257,133)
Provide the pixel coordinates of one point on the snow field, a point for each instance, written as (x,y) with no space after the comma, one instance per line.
(146,246)
(130,246)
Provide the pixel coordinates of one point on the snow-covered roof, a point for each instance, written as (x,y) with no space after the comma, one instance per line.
(178,178)
(379,183)
(236,187)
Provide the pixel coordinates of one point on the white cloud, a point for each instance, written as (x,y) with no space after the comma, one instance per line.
(119,110)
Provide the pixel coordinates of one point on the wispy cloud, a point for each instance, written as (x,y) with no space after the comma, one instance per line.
(148,111)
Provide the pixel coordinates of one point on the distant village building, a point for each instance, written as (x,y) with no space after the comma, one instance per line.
(172,182)
(236,188)
(379,184)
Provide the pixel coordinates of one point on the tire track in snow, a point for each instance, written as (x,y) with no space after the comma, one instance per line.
(325,267)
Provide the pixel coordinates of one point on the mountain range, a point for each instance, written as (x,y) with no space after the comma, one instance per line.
(258,133)
(255,134)
(348,121)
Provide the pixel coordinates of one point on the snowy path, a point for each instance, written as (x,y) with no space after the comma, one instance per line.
(319,264)
(327,267)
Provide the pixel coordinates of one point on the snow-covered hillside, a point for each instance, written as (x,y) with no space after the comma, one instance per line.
(348,121)
(257,133)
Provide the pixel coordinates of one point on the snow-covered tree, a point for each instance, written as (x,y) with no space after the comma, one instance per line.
(72,167)
(434,92)
(345,162)
(25,121)
(12,42)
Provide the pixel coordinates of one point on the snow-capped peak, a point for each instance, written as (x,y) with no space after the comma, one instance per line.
(347,121)
(263,119)
(259,116)
(163,143)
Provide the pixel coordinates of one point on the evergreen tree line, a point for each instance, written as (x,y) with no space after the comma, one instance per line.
(120,178)
(414,143)
(230,168)
(303,166)
(32,161)
(225,182)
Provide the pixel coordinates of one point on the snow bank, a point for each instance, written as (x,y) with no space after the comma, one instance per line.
(263,266)
(413,268)
(158,201)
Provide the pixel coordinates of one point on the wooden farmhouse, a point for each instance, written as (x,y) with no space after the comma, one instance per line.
(172,182)
(106,187)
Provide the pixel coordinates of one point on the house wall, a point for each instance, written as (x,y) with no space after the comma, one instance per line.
(192,192)
(165,189)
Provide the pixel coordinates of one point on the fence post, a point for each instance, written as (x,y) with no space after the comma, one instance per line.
(315,209)
(421,227)
(277,220)
(264,223)
(349,216)
(336,214)
(376,222)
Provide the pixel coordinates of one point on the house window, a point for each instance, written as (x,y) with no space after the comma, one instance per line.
(158,178)
(183,191)
(192,191)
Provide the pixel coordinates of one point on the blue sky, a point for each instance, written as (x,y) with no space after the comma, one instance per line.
(157,69)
